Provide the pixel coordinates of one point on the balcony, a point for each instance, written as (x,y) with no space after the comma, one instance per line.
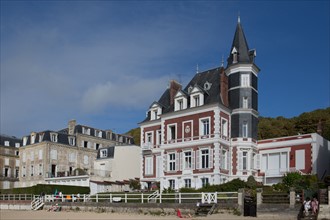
(147,147)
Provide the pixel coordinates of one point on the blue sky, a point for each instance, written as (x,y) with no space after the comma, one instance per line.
(104,62)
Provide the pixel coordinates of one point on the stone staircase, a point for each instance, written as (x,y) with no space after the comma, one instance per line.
(205,209)
(37,203)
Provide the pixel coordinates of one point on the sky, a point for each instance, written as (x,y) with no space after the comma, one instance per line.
(103,63)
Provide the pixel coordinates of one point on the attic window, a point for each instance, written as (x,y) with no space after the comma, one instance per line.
(234,53)
(53,137)
(190,89)
(207,85)
(103,153)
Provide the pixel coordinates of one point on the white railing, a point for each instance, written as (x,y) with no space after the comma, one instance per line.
(214,197)
(15,197)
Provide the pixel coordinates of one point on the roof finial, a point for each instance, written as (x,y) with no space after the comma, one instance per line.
(239,18)
(197,68)
(222,61)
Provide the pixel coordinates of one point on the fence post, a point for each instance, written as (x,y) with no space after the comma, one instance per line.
(259,196)
(141,197)
(160,198)
(125,197)
(179,198)
(110,198)
(292,197)
(241,200)
(97,198)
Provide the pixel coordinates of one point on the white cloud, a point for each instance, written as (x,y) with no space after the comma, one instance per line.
(134,94)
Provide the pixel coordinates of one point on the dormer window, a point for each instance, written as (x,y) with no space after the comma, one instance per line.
(41,137)
(155,111)
(103,153)
(196,97)
(234,53)
(180,101)
(196,100)
(98,133)
(190,89)
(33,138)
(72,141)
(53,137)
(24,140)
(86,130)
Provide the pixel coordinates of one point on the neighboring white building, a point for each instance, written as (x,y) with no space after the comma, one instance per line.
(114,167)
(308,154)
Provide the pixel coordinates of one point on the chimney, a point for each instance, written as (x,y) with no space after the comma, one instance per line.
(174,88)
(224,87)
(71,126)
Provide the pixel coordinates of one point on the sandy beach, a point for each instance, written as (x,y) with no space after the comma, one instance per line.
(68,215)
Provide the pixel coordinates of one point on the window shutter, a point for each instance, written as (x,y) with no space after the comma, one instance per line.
(165,165)
(240,160)
(257,161)
(177,160)
(197,159)
(211,158)
(181,160)
(192,160)
(228,159)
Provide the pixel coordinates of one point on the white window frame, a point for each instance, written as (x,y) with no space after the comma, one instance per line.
(245,129)
(187,160)
(203,130)
(204,158)
(224,159)
(72,141)
(149,168)
(245,102)
(170,134)
(149,138)
(103,153)
(171,183)
(187,183)
(7,143)
(205,181)
(245,80)
(224,128)
(158,137)
(171,161)
(53,137)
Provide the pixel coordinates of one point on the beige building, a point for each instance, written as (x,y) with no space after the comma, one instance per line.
(64,157)
(115,166)
(9,161)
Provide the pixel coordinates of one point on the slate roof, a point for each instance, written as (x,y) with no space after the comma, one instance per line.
(12,140)
(211,95)
(241,46)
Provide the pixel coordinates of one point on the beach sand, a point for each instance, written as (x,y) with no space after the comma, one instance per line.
(68,215)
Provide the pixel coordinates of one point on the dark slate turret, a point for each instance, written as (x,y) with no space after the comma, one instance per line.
(243,86)
(239,48)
